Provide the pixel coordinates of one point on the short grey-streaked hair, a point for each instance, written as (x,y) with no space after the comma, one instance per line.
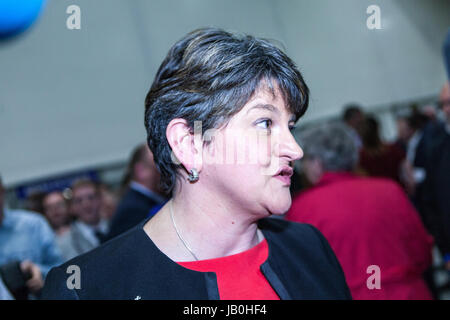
(332,144)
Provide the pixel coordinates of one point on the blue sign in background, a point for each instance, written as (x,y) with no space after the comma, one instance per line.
(57,183)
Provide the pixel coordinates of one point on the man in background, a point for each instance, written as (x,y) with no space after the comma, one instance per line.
(142,196)
(435,198)
(56,210)
(109,202)
(87,232)
(353,118)
(26,238)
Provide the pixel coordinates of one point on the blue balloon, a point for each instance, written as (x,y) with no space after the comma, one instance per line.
(17,15)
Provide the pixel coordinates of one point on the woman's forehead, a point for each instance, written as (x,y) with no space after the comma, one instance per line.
(266,98)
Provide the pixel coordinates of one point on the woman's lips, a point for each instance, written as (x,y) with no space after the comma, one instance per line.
(285,179)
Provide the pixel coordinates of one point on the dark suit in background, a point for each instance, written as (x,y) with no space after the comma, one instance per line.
(435,193)
(134,207)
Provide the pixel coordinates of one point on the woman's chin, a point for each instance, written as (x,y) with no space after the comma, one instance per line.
(280,207)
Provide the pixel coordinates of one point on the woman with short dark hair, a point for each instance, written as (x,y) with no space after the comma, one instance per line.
(219,117)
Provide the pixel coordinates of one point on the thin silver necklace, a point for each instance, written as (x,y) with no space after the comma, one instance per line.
(178,232)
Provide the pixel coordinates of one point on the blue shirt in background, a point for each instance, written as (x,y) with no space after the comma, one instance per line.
(26,235)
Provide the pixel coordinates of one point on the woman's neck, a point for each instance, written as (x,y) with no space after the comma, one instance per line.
(211,228)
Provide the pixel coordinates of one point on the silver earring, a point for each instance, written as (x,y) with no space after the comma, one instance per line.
(193,175)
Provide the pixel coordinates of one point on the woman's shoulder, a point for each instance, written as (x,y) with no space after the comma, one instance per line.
(297,239)
(112,262)
(302,237)
(301,248)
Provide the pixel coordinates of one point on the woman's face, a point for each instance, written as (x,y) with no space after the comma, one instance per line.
(249,161)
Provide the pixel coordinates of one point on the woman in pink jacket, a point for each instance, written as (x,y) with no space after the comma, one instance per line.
(374,230)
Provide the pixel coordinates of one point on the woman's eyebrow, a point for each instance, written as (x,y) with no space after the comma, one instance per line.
(264,107)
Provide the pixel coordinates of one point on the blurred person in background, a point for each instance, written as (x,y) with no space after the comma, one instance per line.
(434,199)
(429,111)
(404,132)
(307,173)
(89,229)
(304,175)
(312,170)
(413,168)
(56,210)
(109,202)
(367,221)
(353,118)
(27,241)
(376,158)
(424,171)
(33,202)
(142,195)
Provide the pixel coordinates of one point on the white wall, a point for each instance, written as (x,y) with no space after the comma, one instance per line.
(74,98)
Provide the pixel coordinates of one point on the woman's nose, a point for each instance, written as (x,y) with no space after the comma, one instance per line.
(289,148)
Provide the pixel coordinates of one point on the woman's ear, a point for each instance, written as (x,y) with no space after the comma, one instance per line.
(186,144)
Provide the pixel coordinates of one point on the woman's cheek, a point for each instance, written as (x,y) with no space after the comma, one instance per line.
(264,150)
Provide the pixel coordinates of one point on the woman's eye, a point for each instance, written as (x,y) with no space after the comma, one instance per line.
(265,124)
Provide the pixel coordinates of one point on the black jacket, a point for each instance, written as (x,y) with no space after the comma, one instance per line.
(133,208)
(434,195)
(301,265)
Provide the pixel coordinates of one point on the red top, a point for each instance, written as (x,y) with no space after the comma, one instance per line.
(239,276)
(369,221)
